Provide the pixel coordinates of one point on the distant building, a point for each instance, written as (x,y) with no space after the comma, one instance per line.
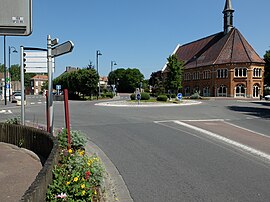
(37,82)
(221,65)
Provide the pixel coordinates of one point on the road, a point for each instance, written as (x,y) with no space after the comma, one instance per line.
(163,157)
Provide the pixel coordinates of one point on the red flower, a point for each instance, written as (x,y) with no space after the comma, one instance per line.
(87,175)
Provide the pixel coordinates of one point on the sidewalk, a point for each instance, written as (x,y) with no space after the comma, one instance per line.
(18,169)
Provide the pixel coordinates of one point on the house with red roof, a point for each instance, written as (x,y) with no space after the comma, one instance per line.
(37,82)
(221,65)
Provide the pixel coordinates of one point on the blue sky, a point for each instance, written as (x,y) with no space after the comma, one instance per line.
(136,33)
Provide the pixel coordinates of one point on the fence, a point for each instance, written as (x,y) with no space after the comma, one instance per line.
(41,143)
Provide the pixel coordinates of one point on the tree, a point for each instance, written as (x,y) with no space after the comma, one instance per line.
(126,80)
(15,72)
(157,83)
(174,74)
(267,68)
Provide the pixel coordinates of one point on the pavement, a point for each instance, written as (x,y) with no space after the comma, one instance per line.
(18,169)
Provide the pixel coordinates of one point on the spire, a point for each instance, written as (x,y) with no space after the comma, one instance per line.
(228,16)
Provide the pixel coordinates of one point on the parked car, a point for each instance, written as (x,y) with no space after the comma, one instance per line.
(267,97)
(16,96)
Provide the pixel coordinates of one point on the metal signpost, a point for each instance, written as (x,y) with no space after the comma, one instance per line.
(15,20)
(39,60)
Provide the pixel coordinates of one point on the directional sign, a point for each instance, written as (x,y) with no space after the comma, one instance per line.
(62,49)
(179,96)
(36,70)
(35,54)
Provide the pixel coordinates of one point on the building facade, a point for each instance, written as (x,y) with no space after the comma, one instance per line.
(37,83)
(221,65)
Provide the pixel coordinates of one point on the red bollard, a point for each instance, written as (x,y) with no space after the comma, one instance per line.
(67,115)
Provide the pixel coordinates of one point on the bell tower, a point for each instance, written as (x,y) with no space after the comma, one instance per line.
(228,16)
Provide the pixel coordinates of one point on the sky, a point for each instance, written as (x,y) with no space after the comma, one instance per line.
(135,33)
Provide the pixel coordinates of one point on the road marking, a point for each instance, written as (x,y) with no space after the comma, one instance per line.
(226,140)
(4,111)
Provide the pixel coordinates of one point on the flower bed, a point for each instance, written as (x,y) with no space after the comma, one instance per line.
(77,176)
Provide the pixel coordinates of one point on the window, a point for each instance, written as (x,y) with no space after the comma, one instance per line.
(222,91)
(206,92)
(206,74)
(240,90)
(256,91)
(240,72)
(257,72)
(196,75)
(222,73)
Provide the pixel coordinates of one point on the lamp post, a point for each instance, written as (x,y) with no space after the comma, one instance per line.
(98,54)
(112,64)
(9,52)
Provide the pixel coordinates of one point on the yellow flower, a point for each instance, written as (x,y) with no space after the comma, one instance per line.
(70,151)
(68,183)
(75,179)
(82,186)
(83,193)
(89,162)
(95,192)
(81,152)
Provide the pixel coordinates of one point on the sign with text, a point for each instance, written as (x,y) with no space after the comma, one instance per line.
(15,17)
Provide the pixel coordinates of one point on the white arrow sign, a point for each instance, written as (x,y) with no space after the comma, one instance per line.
(62,49)
(36,59)
(35,54)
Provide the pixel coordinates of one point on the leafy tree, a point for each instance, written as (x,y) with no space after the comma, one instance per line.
(156,82)
(126,80)
(267,68)
(174,74)
(15,72)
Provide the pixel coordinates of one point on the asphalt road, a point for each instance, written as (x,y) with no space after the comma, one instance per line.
(161,160)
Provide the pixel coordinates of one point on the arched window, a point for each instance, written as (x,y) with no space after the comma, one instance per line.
(222,91)
(256,91)
(206,92)
(240,91)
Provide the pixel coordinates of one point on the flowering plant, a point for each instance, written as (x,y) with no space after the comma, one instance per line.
(76,177)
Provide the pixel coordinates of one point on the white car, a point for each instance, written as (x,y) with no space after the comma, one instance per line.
(267,97)
(16,96)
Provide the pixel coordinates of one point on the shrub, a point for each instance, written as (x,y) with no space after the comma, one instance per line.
(15,120)
(78,140)
(109,94)
(162,98)
(145,96)
(133,96)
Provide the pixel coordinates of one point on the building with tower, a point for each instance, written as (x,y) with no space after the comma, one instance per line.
(221,65)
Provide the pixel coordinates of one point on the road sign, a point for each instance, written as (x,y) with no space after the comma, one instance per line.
(179,96)
(58,87)
(138,96)
(62,49)
(16,17)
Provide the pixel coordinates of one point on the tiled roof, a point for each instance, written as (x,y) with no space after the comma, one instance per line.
(218,49)
(40,77)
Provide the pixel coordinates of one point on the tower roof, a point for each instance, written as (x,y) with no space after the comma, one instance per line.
(228,6)
(218,49)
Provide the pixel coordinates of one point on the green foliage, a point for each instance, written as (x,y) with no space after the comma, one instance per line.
(133,96)
(126,80)
(78,139)
(15,120)
(162,98)
(145,96)
(77,176)
(174,74)
(84,81)
(267,68)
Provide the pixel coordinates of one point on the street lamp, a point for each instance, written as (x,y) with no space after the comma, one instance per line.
(9,52)
(112,64)
(98,54)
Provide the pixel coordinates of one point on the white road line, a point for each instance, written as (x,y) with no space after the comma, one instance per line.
(226,140)
(234,143)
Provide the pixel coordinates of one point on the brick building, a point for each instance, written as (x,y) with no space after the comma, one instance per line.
(221,65)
